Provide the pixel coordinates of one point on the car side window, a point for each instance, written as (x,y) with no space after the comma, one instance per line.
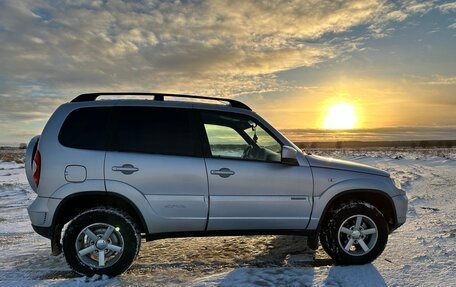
(263,139)
(239,136)
(167,131)
(225,141)
(86,128)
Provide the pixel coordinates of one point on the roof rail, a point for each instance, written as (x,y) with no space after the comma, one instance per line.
(158,97)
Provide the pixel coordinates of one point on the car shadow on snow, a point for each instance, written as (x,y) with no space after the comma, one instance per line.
(236,261)
(224,261)
(229,252)
(362,275)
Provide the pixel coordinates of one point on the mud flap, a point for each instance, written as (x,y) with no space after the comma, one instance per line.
(56,246)
(312,242)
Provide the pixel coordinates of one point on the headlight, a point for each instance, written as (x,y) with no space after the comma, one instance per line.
(396,182)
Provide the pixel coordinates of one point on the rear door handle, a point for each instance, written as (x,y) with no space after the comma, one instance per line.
(126,168)
(223,172)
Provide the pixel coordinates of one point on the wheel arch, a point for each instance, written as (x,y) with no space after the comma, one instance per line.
(380,199)
(75,203)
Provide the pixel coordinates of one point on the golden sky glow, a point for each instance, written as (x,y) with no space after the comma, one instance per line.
(292,61)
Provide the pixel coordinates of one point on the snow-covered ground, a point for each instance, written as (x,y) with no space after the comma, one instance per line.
(420,253)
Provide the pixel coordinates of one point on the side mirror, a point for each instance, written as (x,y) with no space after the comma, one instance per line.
(289,155)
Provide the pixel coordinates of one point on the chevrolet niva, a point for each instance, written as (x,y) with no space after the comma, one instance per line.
(111,172)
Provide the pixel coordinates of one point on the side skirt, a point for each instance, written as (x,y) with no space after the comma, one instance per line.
(156,236)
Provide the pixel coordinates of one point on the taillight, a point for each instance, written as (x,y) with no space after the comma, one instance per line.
(36,167)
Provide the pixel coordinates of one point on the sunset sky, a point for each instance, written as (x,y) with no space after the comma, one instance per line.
(385,68)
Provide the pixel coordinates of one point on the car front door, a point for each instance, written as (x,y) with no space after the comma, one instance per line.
(156,152)
(249,187)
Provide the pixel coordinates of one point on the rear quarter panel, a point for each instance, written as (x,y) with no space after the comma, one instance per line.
(55,157)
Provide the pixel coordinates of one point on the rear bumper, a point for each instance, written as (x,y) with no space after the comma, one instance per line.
(401,206)
(43,231)
(41,212)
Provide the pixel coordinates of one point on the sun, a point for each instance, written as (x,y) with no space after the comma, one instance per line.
(340,116)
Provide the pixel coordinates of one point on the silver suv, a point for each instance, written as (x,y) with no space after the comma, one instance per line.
(110,172)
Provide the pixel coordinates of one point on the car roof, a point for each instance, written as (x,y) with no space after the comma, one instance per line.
(163,104)
(160,97)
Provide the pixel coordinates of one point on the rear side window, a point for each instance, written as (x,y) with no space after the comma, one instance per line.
(165,131)
(86,128)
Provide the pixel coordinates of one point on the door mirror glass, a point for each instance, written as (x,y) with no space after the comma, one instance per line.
(289,155)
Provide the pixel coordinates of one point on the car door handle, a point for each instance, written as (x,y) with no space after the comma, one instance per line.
(223,172)
(125,169)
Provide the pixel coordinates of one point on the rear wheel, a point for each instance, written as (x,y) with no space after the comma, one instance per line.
(101,241)
(354,233)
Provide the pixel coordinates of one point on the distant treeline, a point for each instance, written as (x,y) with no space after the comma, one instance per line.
(12,147)
(338,144)
(393,144)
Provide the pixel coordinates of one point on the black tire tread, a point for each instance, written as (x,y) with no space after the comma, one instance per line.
(74,228)
(329,229)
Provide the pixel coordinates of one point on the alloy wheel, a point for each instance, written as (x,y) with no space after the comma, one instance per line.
(100,245)
(357,235)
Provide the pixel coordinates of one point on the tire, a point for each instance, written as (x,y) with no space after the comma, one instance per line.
(340,230)
(97,230)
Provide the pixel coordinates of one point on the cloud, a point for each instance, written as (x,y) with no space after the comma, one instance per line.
(448,7)
(53,50)
(73,44)
(23,115)
(434,79)
(415,6)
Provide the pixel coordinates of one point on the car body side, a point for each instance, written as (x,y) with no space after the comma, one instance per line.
(56,192)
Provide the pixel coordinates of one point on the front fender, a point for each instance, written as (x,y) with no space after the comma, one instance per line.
(356,184)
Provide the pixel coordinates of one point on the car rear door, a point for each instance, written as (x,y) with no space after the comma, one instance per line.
(155,151)
(248,185)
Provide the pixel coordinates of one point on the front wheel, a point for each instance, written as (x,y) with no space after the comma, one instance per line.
(354,233)
(101,241)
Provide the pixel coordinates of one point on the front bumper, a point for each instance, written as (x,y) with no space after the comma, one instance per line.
(401,206)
